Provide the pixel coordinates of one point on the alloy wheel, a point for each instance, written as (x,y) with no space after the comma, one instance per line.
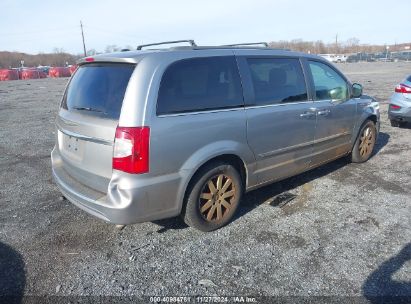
(367,141)
(216,197)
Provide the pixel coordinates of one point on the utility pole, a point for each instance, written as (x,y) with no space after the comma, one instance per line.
(336,42)
(82,35)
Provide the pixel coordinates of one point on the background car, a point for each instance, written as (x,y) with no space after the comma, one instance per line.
(334,57)
(361,57)
(399,111)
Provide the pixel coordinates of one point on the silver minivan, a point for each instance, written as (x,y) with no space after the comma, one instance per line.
(150,134)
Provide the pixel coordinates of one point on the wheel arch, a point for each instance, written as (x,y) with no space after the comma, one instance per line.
(372,117)
(230,158)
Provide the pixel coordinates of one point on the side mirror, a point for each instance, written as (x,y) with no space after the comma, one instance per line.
(356,90)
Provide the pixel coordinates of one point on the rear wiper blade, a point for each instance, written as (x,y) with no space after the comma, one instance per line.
(87,109)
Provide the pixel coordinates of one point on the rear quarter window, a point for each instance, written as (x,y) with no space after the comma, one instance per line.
(98,89)
(199,84)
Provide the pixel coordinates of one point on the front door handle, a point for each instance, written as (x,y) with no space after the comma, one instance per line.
(323,112)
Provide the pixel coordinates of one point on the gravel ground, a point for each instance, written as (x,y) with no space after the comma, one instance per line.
(347,232)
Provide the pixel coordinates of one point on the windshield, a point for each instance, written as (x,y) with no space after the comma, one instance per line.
(98,89)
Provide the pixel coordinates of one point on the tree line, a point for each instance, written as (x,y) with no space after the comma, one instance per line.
(350,46)
(17,59)
(60,58)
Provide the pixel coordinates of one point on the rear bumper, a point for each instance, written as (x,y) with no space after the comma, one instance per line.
(403,114)
(129,199)
(400,116)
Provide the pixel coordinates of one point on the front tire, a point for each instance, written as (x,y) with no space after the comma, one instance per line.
(364,145)
(213,197)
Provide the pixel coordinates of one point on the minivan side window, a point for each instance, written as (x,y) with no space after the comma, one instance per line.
(199,84)
(328,84)
(277,80)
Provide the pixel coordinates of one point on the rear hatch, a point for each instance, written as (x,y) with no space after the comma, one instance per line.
(87,121)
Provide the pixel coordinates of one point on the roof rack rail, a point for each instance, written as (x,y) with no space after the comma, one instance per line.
(190,41)
(265,44)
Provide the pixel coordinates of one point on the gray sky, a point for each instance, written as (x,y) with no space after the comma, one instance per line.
(40,26)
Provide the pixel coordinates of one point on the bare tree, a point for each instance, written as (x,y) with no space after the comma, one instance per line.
(352,45)
(57,50)
(12,59)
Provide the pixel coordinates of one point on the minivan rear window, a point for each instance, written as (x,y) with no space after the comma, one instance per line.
(199,84)
(98,89)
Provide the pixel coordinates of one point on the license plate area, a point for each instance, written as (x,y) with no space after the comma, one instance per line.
(71,146)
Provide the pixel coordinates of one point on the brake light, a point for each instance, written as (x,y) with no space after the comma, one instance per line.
(89,59)
(131,149)
(395,107)
(402,88)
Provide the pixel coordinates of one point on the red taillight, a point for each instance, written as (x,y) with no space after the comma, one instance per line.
(402,88)
(89,59)
(395,107)
(131,149)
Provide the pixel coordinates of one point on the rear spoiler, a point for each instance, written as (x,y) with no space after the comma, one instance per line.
(106,59)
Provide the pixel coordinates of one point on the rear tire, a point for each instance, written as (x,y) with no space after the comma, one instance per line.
(365,143)
(213,197)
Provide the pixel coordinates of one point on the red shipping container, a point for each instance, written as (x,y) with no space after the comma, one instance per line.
(42,74)
(6,74)
(32,74)
(59,72)
(29,74)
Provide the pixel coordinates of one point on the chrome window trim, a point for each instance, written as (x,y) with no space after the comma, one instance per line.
(201,112)
(332,101)
(278,104)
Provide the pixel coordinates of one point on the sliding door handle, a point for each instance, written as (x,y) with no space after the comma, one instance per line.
(307,114)
(323,112)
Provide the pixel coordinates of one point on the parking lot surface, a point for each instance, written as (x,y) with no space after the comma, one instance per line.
(347,232)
